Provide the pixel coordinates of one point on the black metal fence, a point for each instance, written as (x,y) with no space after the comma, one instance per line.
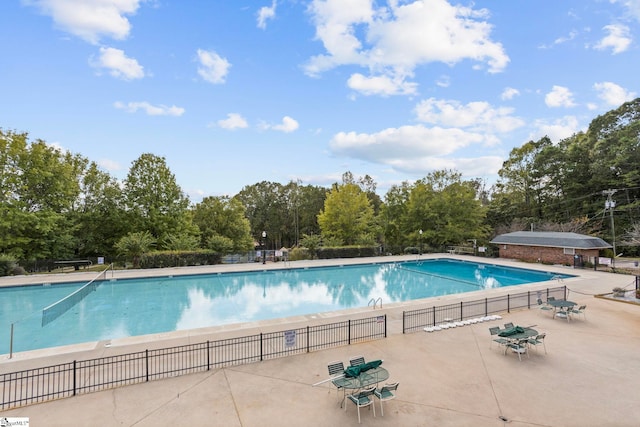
(86,376)
(416,320)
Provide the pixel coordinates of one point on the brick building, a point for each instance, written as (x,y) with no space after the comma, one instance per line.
(550,247)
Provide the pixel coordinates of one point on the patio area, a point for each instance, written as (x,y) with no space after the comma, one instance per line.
(453,377)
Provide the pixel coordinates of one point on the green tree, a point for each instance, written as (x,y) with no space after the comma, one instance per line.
(154,200)
(223,225)
(312,242)
(347,215)
(38,187)
(134,245)
(99,213)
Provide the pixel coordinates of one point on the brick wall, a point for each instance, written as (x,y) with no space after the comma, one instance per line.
(544,254)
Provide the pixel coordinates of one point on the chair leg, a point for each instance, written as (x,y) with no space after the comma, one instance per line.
(381,408)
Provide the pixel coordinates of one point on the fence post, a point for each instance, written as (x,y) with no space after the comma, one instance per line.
(146,364)
(403,322)
(461,315)
(208,357)
(385,325)
(486,306)
(261,343)
(508,303)
(434,315)
(349,332)
(308,339)
(528,299)
(74,377)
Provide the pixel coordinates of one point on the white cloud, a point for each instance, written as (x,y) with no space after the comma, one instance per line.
(509,93)
(118,64)
(380,85)
(288,125)
(109,165)
(632,6)
(392,41)
(613,94)
(618,39)
(151,110)
(90,19)
(559,96)
(556,130)
(416,149)
(213,68)
(233,121)
(477,116)
(265,13)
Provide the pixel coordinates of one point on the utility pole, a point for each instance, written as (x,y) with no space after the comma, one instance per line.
(611,204)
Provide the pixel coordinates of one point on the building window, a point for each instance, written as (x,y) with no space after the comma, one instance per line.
(504,247)
(569,251)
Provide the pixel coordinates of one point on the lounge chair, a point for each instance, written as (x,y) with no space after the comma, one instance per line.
(386,393)
(508,325)
(363,399)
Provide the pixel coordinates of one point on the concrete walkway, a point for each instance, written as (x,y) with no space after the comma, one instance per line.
(589,376)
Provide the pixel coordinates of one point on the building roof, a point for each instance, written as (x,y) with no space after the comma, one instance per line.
(553,239)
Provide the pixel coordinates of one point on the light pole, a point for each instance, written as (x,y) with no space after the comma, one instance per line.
(420,250)
(264,247)
(611,204)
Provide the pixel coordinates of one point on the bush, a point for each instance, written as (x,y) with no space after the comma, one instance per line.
(162,259)
(347,252)
(7,265)
(297,254)
(411,250)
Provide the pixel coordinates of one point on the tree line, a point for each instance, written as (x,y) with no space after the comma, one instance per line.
(60,205)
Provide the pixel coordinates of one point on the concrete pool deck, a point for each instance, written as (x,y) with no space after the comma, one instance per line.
(589,377)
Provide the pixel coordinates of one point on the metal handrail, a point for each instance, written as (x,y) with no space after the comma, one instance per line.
(375,302)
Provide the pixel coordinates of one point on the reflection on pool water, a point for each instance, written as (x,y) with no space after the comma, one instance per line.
(130,307)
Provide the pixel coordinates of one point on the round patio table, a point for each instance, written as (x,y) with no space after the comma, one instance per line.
(561,305)
(366,378)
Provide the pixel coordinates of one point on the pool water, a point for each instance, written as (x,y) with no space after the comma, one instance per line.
(131,307)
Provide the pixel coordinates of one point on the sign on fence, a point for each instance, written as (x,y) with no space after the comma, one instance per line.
(290,338)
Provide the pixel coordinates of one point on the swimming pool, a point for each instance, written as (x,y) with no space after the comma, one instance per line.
(131,307)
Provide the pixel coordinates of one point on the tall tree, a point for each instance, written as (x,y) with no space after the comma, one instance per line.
(348,216)
(223,225)
(154,200)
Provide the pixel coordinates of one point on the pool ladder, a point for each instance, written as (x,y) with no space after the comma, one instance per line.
(375,302)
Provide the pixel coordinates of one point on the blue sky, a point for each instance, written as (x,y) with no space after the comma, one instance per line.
(235,92)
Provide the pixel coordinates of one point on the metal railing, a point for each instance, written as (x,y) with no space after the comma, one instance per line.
(86,376)
(416,320)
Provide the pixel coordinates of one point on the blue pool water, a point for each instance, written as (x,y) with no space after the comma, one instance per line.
(130,307)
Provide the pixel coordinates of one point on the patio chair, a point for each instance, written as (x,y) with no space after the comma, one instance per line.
(579,311)
(519,347)
(386,393)
(537,340)
(544,307)
(495,330)
(356,360)
(508,325)
(551,299)
(336,369)
(363,399)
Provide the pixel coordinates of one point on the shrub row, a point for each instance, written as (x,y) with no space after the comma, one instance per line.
(348,252)
(162,259)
